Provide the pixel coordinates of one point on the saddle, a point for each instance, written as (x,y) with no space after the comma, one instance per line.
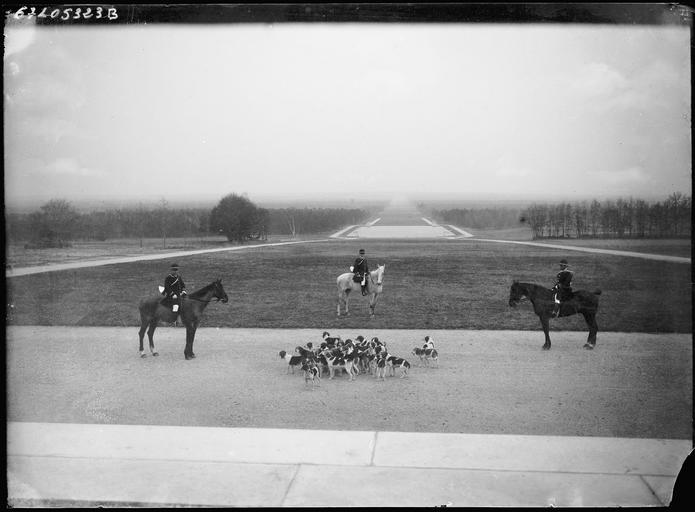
(169,302)
(357,277)
(562,294)
(172,304)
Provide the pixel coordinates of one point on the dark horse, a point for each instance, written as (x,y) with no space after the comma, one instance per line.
(582,301)
(192,307)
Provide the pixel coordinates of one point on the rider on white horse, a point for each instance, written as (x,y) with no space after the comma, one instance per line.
(360,269)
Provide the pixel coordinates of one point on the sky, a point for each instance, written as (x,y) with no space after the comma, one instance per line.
(478,111)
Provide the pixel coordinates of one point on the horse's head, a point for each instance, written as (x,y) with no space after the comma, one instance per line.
(379,274)
(218,291)
(516,293)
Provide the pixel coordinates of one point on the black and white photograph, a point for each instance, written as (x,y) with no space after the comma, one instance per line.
(348,255)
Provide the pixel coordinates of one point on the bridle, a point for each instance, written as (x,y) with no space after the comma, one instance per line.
(208,301)
(380,274)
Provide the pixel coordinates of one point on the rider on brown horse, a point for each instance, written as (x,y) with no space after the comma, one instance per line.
(360,269)
(562,288)
(174,289)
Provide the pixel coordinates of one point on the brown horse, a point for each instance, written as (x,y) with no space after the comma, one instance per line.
(375,280)
(582,301)
(192,307)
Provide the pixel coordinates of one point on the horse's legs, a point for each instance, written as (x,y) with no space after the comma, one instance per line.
(150,335)
(190,335)
(141,334)
(545,322)
(593,329)
(372,304)
(342,299)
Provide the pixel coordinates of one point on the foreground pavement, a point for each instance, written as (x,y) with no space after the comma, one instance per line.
(133,465)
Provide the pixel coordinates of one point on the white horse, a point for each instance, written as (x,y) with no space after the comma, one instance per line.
(374,286)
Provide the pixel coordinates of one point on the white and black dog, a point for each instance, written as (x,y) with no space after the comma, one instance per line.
(311,373)
(338,362)
(292,361)
(392,362)
(380,366)
(420,352)
(329,340)
(430,353)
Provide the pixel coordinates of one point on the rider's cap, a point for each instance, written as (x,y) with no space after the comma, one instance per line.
(563,261)
(174,266)
(361,251)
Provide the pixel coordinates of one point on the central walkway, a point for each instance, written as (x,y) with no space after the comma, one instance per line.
(93,465)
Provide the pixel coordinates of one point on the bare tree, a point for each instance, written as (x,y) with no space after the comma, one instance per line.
(164,219)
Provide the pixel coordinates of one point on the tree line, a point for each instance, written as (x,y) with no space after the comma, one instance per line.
(57,222)
(621,218)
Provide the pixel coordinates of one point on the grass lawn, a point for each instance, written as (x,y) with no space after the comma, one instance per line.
(453,284)
(18,256)
(667,246)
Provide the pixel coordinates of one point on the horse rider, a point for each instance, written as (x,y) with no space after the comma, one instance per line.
(562,288)
(360,270)
(174,288)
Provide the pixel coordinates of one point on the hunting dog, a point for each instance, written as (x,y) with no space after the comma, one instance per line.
(311,373)
(429,350)
(426,355)
(329,340)
(392,362)
(375,354)
(431,354)
(306,353)
(380,366)
(292,361)
(419,352)
(338,362)
(353,354)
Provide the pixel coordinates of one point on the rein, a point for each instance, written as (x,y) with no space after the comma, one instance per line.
(199,300)
(202,300)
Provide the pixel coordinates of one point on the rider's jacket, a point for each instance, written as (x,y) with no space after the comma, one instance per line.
(563,284)
(360,267)
(564,278)
(174,285)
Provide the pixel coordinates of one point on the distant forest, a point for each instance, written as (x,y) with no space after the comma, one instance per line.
(57,223)
(620,218)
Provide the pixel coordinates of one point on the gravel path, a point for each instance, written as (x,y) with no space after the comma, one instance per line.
(23,271)
(492,382)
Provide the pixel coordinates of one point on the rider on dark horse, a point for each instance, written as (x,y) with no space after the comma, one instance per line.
(174,289)
(562,288)
(360,270)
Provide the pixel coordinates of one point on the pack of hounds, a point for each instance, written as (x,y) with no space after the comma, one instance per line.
(361,356)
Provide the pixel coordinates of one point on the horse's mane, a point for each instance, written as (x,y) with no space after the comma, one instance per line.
(532,286)
(199,293)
